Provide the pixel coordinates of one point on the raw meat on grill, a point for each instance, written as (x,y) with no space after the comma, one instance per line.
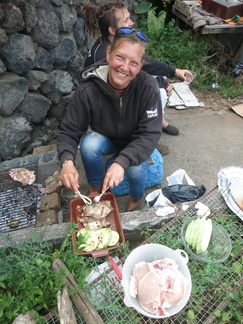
(26,177)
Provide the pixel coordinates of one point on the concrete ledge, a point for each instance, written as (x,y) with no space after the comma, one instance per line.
(53,233)
(133,223)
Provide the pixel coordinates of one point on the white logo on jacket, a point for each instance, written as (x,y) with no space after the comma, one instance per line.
(152,113)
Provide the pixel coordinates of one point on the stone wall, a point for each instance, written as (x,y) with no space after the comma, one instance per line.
(42,48)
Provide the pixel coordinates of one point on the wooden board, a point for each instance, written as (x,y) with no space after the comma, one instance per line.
(223,9)
(181,10)
(182,97)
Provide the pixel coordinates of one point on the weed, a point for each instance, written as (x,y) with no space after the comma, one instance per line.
(27,281)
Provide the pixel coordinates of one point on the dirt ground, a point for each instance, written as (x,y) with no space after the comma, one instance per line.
(213,99)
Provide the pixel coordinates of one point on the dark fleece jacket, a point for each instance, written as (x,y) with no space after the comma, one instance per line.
(132,121)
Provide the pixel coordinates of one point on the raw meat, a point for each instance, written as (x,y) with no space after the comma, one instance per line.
(26,177)
(158,285)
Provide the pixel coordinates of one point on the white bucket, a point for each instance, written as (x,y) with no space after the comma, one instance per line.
(149,253)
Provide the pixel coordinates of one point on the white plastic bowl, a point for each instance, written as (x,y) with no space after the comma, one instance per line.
(149,253)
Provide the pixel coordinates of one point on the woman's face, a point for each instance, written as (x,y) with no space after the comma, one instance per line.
(125,62)
(123,18)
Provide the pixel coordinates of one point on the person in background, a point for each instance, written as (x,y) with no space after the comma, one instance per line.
(102,22)
(122,107)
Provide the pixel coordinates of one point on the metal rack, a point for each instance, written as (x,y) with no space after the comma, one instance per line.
(106,292)
(18,204)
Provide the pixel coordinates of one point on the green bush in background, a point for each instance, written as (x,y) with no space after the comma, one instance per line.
(168,43)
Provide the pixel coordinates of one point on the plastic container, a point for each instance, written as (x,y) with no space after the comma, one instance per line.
(219,246)
(190,77)
(149,253)
(113,217)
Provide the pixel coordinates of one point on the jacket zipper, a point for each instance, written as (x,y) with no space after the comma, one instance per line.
(120,112)
(120,104)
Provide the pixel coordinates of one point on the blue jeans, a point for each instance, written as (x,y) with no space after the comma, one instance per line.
(92,149)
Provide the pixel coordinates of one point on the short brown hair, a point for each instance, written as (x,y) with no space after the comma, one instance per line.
(132,38)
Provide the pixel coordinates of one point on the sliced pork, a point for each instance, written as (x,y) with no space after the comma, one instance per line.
(26,177)
(158,285)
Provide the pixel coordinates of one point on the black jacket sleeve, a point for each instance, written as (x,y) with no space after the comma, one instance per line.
(154,67)
(97,53)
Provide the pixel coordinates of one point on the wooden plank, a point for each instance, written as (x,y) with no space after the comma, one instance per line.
(65,309)
(83,304)
(182,97)
(222,29)
(174,100)
(181,16)
(182,7)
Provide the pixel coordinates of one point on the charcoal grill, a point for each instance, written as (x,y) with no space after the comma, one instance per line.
(19,205)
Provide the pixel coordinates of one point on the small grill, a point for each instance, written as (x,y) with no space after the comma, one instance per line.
(19,205)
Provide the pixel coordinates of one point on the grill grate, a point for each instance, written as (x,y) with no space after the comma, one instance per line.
(7,182)
(19,205)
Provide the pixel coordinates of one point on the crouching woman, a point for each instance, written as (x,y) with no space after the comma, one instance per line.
(115,110)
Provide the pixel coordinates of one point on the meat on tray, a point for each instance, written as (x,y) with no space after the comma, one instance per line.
(93,216)
(96,224)
(26,177)
(158,285)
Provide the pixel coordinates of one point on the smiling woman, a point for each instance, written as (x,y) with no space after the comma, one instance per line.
(115,98)
(125,57)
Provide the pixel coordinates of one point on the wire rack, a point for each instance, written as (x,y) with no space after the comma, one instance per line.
(8,183)
(19,203)
(217,281)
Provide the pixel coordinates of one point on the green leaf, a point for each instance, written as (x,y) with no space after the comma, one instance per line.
(225,317)
(217,313)
(39,262)
(2,284)
(8,300)
(190,315)
(237,267)
(9,315)
(155,24)
(47,264)
(142,7)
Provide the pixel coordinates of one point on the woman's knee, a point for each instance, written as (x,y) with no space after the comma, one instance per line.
(91,142)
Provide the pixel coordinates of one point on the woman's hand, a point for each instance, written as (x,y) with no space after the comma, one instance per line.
(169,90)
(114,176)
(182,74)
(69,176)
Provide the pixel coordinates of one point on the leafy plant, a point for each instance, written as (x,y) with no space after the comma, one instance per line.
(27,281)
(155,23)
(142,7)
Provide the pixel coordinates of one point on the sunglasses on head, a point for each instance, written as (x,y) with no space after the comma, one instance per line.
(127,30)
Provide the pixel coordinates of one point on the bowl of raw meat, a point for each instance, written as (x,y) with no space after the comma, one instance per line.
(156,280)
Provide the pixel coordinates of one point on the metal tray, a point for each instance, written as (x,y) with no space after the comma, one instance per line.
(113,217)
